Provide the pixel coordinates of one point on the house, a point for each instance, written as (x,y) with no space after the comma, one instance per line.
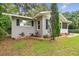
(37,25)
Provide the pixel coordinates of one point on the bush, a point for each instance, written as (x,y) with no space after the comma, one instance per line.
(3,33)
(73,30)
(46,36)
(5,23)
(32,34)
(22,34)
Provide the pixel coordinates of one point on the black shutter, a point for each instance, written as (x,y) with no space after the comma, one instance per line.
(32,23)
(38,24)
(46,23)
(17,22)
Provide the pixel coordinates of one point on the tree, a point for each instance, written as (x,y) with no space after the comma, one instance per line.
(74,17)
(5,23)
(54,21)
(29,9)
(10,8)
(36,8)
(1,9)
(3,33)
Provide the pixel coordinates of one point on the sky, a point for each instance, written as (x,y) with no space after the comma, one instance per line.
(63,7)
(67,7)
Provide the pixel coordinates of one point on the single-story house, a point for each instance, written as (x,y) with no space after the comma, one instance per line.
(39,24)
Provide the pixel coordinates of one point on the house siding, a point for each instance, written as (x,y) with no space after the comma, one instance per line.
(40,31)
(16,30)
(62,30)
(45,31)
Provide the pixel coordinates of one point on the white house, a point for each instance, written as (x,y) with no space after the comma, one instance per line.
(38,24)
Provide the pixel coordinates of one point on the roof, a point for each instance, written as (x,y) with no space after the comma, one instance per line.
(17,15)
(42,13)
(61,17)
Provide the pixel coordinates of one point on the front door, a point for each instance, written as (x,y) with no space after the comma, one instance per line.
(38,27)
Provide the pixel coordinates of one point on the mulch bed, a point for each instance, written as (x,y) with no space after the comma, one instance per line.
(31,37)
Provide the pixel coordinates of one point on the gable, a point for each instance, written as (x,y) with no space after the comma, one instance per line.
(47,13)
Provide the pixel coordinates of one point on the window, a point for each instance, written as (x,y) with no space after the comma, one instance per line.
(25,23)
(32,23)
(17,22)
(38,24)
(46,23)
(64,25)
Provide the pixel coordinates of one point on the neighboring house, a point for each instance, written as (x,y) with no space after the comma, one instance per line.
(38,24)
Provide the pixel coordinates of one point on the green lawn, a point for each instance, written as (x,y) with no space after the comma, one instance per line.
(61,46)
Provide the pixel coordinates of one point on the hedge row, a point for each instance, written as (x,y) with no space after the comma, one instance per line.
(74,30)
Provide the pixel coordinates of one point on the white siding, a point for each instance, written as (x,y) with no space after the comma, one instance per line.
(45,31)
(36,26)
(64,31)
(16,30)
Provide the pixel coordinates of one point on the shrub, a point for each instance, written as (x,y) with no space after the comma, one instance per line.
(46,36)
(74,30)
(3,33)
(22,34)
(32,34)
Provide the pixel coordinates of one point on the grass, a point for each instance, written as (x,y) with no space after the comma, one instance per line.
(41,46)
(19,45)
(64,46)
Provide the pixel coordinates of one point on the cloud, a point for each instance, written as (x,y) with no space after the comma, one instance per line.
(64,6)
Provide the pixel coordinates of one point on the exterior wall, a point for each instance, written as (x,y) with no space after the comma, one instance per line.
(36,26)
(16,30)
(62,31)
(45,31)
